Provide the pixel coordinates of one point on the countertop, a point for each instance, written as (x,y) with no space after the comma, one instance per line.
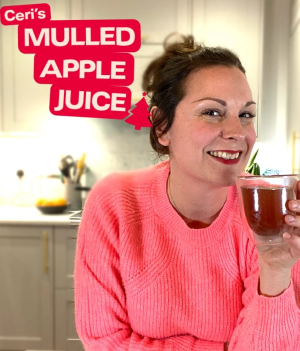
(32,216)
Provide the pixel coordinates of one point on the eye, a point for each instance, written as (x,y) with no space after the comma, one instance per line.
(247,115)
(211,112)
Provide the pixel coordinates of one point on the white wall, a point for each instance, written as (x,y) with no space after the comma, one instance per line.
(293,122)
(273,132)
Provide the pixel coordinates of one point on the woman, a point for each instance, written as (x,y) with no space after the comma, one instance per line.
(163,261)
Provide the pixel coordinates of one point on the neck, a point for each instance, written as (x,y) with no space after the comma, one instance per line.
(198,203)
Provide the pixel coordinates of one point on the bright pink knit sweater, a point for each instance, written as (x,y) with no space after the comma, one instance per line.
(144,280)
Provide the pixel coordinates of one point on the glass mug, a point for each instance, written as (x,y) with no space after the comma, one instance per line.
(264,204)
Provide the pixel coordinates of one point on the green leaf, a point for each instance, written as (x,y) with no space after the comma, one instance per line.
(250,169)
(256,169)
(251,161)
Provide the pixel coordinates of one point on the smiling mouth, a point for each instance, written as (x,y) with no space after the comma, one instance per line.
(225,155)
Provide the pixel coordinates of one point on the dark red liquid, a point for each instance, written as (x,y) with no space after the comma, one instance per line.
(265,208)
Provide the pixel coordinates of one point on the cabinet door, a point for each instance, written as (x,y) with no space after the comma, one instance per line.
(26,293)
(157,18)
(64,248)
(66,337)
(237,25)
(25,103)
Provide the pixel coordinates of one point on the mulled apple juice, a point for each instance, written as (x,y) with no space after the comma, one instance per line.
(266,207)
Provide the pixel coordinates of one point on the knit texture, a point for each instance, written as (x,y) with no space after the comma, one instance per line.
(144,280)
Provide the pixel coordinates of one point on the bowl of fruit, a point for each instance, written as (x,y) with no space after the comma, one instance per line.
(51,206)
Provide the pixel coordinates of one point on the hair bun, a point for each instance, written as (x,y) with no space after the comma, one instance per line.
(174,39)
(173,44)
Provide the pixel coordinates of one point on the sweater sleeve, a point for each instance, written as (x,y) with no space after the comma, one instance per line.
(101,317)
(267,323)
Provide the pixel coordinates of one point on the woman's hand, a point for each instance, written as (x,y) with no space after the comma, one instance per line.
(275,262)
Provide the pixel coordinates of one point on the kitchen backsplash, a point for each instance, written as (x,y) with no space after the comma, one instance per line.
(110,146)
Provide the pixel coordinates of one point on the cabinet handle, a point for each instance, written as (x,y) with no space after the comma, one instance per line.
(45,246)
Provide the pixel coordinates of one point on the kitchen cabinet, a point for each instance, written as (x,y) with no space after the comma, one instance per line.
(157,18)
(24,103)
(237,25)
(37,290)
(26,293)
(66,337)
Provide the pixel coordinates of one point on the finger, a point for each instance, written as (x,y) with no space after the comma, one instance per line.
(294,205)
(293,243)
(293,221)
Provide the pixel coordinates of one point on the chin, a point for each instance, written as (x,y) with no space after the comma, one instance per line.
(229,179)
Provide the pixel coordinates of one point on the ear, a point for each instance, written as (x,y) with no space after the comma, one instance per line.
(163,139)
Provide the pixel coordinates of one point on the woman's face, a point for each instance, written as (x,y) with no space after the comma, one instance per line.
(212,134)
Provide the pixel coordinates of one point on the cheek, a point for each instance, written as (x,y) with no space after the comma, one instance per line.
(251,137)
(180,134)
(192,136)
(203,135)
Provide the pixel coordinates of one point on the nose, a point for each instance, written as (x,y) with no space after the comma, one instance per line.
(232,129)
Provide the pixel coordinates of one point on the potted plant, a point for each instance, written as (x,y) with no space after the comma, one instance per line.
(253,167)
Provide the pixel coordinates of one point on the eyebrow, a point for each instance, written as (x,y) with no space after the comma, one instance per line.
(222,102)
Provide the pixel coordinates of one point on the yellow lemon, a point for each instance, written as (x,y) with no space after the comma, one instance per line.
(40,202)
(49,202)
(60,201)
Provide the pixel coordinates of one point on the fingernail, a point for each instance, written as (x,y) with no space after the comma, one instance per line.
(294,205)
(290,219)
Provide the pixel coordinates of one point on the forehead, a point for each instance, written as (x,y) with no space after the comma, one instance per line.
(218,81)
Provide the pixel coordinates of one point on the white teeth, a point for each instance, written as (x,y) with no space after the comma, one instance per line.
(225,155)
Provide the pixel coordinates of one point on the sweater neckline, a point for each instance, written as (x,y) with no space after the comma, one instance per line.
(177,226)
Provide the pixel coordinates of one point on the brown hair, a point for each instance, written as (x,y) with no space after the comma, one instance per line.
(165,77)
